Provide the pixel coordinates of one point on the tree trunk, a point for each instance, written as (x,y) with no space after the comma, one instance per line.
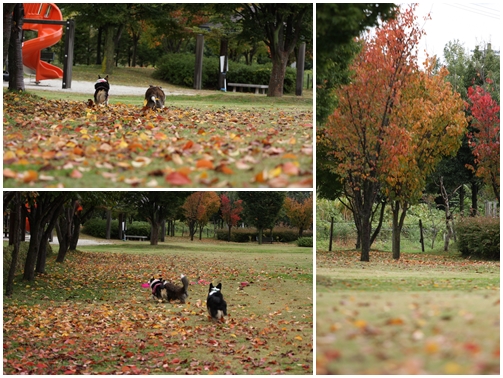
(398,219)
(16,79)
(8,8)
(108,231)
(107,66)
(74,239)
(98,46)
(475,194)
(16,220)
(277,79)
(31,256)
(260,232)
(154,232)
(229,234)
(163,230)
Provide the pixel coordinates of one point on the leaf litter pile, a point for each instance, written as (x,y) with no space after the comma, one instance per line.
(56,143)
(91,316)
(424,314)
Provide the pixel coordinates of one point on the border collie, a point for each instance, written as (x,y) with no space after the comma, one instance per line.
(217,307)
(101,90)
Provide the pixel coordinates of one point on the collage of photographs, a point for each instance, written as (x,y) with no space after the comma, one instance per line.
(251,188)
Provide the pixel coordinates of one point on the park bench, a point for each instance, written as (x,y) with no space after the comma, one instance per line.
(135,237)
(257,87)
(47,56)
(265,239)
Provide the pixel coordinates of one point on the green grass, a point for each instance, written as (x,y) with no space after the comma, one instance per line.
(90,315)
(424,314)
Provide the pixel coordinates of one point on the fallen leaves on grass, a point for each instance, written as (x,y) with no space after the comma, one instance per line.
(73,144)
(91,316)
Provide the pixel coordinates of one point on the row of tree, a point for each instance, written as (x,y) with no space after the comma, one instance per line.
(389,127)
(65,212)
(142,33)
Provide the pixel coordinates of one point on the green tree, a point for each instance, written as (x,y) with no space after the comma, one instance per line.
(261,209)
(282,27)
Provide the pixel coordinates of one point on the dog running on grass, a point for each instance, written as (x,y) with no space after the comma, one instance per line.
(155,97)
(101,90)
(217,307)
(159,291)
(177,292)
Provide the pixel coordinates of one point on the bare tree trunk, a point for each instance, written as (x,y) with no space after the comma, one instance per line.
(16,220)
(16,79)
(277,79)
(8,8)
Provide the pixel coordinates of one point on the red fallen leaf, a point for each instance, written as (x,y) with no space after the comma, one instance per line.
(188,145)
(177,178)
(472,347)
(290,168)
(244,284)
(76,174)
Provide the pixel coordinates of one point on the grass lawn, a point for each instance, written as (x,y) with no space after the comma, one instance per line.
(91,315)
(432,313)
(53,139)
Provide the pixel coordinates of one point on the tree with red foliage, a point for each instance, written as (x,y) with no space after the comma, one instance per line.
(231,211)
(485,141)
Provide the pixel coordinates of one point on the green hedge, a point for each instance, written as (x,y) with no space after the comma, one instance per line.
(178,69)
(305,241)
(97,228)
(244,235)
(479,237)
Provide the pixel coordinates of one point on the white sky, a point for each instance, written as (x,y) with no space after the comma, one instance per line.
(470,23)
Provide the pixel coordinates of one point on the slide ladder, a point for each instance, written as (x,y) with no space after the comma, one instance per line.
(48,35)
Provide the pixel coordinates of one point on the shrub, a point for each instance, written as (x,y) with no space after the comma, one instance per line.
(243,235)
(479,237)
(97,228)
(305,241)
(178,69)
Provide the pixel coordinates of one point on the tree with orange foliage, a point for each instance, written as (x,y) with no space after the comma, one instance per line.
(300,213)
(387,132)
(198,209)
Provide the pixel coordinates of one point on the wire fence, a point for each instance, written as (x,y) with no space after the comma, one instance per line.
(345,233)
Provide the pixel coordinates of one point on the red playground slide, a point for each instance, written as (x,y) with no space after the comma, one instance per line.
(48,35)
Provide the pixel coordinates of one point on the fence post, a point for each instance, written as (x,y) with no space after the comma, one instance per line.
(422,237)
(331,233)
(198,71)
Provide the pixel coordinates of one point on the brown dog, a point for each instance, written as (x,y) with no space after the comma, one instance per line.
(155,97)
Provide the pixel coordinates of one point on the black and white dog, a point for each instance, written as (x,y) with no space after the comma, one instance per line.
(155,97)
(217,307)
(159,291)
(101,90)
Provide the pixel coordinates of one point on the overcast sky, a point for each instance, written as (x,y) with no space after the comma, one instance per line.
(471,23)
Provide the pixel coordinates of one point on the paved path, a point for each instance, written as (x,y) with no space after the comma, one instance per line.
(88,87)
(80,242)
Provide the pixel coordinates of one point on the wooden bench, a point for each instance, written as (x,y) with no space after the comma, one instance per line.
(134,237)
(257,87)
(265,239)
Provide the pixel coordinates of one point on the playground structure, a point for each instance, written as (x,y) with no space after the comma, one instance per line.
(46,19)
